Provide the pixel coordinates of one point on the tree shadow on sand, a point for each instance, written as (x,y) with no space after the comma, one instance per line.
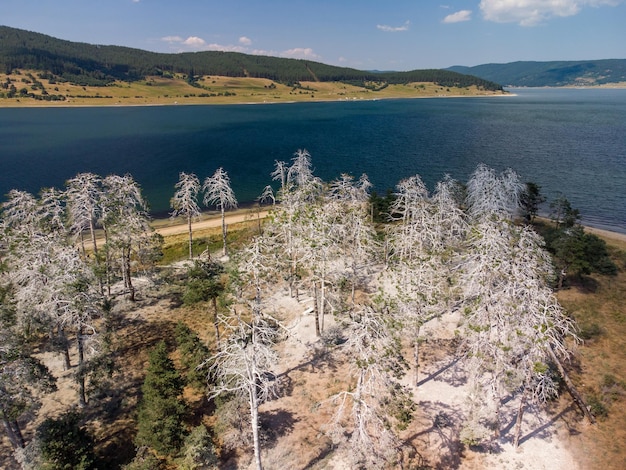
(448,373)
(320,358)
(442,436)
(276,424)
(544,431)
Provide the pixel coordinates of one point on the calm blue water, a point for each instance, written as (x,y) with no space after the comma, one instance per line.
(568,141)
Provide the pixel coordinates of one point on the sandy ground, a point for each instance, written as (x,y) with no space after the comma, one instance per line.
(298,424)
(621,237)
(438,420)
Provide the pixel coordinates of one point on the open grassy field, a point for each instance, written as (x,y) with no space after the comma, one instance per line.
(598,305)
(206,90)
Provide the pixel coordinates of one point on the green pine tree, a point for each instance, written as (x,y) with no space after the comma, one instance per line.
(65,444)
(162,409)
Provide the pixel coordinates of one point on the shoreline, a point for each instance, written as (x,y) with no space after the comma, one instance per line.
(39,105)
(607,234)
(168,226)
(506,92)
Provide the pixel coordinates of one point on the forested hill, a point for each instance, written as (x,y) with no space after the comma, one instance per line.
(564,73)
(87,64)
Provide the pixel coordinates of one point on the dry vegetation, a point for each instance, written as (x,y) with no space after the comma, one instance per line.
(294,424)
(598,305)
(214,90)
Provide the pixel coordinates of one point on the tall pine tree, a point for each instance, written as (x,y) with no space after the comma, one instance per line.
(162,409)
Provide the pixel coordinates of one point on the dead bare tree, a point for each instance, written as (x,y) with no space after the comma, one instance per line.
(185,202)
(125,224)
(363,411)
(425,234)
(83,195)
(245,362)
(217,191)
(514,326)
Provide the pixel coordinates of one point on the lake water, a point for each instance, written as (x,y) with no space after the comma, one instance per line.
(567,141)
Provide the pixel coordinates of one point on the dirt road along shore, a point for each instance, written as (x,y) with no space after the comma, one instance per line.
(213,221)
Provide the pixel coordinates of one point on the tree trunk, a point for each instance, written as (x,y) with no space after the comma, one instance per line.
(496,431)
(293,287)
(322,300)
(190,236)
(127,274)
(224,229)
(416,354)
(79,345)
(107,260)
(216,323)
(353,287)
(518,421)
(357,407)
(254,414)
(92,231)
(316,310)
(62,339)
(80,373)
(13,432)
(82,244)
(570,387)
(252,381)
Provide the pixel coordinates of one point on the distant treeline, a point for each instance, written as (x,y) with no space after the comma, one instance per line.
(93,65)
(555,73)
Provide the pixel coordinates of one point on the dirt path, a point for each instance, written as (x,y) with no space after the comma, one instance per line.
(212,221)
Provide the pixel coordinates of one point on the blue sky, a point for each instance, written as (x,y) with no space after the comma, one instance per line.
(364,34)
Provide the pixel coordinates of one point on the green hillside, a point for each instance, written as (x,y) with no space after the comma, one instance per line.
(94,65)
(562,73)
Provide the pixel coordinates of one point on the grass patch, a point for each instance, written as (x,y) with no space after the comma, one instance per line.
(176,247)
(211,90)
(179,250)
(601,376)
(589,331)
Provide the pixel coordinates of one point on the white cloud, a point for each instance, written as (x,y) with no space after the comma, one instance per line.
(300,53)
(533,12)
(463,15)
(225,48)
(262,52)
(394,29)
(172,39)
(194,42)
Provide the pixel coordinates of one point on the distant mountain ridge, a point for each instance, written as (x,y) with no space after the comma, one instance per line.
(93,65)
(556,73)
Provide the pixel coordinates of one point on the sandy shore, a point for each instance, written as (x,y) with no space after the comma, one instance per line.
(606,234)
(169,227)
(106,103)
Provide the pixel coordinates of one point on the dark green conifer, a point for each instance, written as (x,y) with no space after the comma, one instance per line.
(162,409)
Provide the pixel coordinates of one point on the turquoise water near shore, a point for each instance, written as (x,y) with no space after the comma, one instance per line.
(570,141)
